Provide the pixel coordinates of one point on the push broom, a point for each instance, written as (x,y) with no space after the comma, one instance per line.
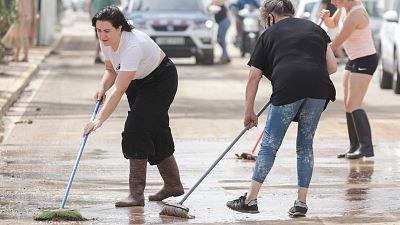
(250,155)
(69,214)
(178,209)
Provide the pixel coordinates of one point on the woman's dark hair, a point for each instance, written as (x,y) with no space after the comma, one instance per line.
(113,15)
(278,7)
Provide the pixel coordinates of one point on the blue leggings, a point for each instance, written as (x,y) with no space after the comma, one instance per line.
(279,118)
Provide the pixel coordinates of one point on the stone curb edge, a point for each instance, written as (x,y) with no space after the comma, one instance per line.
(23,83)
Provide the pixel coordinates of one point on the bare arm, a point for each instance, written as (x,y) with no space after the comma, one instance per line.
(250,118)
(330,60)
(331,21)
(107,81)
(121,84)
(109,76)
(350,24)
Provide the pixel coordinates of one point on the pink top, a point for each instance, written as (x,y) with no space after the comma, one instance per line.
(360,42)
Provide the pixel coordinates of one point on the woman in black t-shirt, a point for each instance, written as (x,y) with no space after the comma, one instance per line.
(295,56)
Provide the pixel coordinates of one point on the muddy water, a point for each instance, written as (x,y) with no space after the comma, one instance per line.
(36,158)
(34,178)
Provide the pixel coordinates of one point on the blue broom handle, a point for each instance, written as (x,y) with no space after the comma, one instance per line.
(78,157)
(221,156)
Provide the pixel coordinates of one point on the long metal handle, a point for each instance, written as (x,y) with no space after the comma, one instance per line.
(220,157)
(78,157)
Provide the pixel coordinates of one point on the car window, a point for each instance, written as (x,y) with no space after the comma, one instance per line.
(166,5)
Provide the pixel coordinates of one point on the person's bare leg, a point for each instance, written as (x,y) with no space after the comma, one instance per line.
(302,194)
(346,84)
(358,86)
(16,56)
(253,191)
(26,52)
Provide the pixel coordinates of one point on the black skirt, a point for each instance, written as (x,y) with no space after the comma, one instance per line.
(147,133)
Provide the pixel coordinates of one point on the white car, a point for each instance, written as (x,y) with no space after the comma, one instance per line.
(390,48)
(182,28)
(307,9)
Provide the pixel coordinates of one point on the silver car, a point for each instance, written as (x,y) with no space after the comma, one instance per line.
(181,28)
(390,48)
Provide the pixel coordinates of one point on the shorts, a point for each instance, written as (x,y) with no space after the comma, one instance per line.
(147,134)
(364,65)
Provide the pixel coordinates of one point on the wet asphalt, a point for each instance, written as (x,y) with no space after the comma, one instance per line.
(43,134)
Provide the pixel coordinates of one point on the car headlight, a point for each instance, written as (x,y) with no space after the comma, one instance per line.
(203,24)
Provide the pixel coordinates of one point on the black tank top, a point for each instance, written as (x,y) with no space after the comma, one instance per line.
(221,14)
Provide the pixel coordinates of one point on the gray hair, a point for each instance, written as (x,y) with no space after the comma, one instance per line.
(278,7)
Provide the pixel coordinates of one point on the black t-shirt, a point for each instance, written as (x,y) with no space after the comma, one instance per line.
(292,55)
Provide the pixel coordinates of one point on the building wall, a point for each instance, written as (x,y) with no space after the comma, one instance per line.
(48,18)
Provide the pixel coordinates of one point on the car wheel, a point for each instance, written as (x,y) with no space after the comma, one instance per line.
(396,79)
(385,78)
(199,60)
(208,57)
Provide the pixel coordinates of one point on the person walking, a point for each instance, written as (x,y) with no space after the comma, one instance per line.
(295,56)
(21,34)
(94,6)
(135,65)
(221,17)
(356,37)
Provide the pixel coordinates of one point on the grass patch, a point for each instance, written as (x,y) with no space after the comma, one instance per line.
(60,215)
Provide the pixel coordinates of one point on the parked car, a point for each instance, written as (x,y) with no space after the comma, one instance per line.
(307,9)
(375,19)
(181,28)
(390,48)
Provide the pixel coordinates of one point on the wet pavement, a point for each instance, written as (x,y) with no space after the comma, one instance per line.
(36,157)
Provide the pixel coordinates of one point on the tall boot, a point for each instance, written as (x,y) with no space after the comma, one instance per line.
(352,136)
(363,131)
(172,183)
(137,183)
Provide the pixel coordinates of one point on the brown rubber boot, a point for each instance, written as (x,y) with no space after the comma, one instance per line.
(137,183)
(172,183)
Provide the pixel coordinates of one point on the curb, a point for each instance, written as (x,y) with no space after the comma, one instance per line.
(25,77)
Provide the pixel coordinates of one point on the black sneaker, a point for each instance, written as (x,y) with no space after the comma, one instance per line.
(299,209)
(240,206)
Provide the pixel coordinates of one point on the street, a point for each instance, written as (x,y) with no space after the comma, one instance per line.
(44,131)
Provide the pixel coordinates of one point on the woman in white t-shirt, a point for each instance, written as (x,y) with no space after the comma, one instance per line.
(136,66)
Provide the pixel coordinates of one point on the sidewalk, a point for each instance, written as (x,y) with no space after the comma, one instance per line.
(16,76)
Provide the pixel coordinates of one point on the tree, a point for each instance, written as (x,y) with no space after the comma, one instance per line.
(8,14)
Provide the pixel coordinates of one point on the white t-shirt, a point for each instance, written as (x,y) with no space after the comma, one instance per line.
(136,52)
